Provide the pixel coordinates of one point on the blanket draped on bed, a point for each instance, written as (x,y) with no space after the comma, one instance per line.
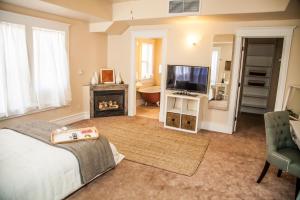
(94,156)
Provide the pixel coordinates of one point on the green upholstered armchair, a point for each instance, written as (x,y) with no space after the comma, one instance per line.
(281,149)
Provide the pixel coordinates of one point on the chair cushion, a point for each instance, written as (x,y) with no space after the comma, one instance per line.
(294,155)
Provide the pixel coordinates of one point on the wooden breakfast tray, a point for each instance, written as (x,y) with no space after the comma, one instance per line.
(65,135)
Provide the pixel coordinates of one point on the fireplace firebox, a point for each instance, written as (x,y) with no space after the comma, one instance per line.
(109,103)
(107,100)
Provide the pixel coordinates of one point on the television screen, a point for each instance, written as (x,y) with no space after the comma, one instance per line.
(190,78)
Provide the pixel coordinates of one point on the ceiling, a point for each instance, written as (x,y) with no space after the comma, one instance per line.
(54,9)
(291,12)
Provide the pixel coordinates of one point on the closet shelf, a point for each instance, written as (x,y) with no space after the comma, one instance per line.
(255,96)
(259,66)
(257,76)
(253,86)
(257,55)
(254,106)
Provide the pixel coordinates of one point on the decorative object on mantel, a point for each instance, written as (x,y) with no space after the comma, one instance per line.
(292,104)
(95,79)
(107,76)
(118,78)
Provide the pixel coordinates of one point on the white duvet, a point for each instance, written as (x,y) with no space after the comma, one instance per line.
(31,169)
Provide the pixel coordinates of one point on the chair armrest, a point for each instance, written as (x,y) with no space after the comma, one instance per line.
(280,160)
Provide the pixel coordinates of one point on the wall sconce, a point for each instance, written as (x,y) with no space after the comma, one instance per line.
(192,40)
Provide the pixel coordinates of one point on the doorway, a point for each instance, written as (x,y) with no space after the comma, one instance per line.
(148,65)
(261,61)
(132,91)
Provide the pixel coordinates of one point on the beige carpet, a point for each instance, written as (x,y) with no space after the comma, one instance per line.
(148,143)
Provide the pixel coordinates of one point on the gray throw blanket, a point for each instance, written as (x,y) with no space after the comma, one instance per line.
(94,156)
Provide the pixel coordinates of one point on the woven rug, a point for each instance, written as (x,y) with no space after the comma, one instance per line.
(145,141)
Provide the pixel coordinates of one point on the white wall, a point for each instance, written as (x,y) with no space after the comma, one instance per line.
(179,52)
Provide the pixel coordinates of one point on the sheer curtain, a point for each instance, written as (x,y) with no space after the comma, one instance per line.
(50,68)
(16,94)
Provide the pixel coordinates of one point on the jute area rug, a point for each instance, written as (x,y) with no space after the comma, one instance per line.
(145,141)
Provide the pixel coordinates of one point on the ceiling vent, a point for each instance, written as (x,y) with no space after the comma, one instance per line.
(184,6)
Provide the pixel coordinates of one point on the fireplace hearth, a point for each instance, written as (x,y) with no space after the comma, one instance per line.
(108,100)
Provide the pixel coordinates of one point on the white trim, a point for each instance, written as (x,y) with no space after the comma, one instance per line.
(100,26)
(71,118)
(285,32)
(161,34)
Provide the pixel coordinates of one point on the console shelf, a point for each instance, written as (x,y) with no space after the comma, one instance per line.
(182,112)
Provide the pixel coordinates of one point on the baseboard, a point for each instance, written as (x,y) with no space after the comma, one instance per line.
(211,126)
(71,118)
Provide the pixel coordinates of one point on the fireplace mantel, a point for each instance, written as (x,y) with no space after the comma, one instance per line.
(107,87)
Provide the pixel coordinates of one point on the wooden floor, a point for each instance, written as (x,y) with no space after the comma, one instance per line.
(229,170)
(147,111)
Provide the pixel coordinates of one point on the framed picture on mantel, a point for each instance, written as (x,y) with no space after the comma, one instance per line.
(107,76)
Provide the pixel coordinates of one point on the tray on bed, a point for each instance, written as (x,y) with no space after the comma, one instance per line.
(65,135)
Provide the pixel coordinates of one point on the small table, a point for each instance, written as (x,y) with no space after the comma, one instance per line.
(295,132)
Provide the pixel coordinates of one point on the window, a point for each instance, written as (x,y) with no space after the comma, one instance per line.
(147,61)
(50,67)
(34,69)
(215,60)
(16,96)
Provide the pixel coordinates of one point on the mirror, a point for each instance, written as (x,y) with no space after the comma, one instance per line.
(220,73)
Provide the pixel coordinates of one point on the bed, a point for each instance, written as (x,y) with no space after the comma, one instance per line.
(31,169)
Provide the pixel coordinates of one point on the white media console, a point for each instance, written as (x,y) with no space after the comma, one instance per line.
(183,112)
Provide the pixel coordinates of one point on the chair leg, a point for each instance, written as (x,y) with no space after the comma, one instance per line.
(264,171)
(297,188)
(279,173)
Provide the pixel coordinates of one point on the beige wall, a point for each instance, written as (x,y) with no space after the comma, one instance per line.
(87,51)
(157,61)
(179,52)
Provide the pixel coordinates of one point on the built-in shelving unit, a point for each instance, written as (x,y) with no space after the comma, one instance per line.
(182,112)
(257,78)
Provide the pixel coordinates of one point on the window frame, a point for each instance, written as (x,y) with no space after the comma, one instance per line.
(30,22)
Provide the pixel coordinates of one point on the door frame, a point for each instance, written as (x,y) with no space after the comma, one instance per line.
(285,32)
(147,34)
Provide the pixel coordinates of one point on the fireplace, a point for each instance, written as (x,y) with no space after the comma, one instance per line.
(106,100)
(109,103)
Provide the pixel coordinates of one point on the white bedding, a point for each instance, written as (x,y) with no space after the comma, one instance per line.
(31,169)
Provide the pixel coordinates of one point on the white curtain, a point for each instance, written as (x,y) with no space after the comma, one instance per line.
(16,94)
(50,68)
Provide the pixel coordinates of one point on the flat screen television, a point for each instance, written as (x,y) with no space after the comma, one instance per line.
(190,78)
